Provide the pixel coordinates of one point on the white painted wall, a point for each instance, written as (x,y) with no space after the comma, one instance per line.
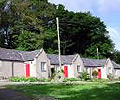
(103,72)
(77,61)
(33,68)
(42,58)
(117,73)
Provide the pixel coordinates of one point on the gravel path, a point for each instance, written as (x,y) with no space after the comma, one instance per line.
(6,94)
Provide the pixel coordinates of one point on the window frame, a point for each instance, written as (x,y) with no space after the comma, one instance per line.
(43,67)
(78,68)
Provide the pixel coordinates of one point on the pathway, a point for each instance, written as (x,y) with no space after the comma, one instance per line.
(6,94)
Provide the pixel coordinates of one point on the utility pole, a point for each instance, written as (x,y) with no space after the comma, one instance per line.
(97,54)
(59,43)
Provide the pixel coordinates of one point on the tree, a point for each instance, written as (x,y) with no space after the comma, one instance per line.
(24,15)
(33,21)
(83,33)
(115,56)
(29,41)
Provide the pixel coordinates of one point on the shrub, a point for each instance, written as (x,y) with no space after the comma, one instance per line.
(118,78)
(95,73)
(71,79)
(43,80)
(31,79)
(111,77)
(85,75)
(99,80)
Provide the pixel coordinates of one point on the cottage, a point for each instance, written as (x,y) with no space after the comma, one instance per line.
(24,63)
(103,66)
(93,64)
(71,64)
(116,69)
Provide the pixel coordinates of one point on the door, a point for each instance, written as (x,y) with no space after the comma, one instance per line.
(65,71)
(99,73)
(27,70)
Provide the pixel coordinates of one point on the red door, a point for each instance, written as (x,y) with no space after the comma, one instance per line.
(27,70)
(99,73)
(65,71)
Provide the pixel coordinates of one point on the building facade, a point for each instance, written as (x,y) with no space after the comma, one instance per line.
(15,63)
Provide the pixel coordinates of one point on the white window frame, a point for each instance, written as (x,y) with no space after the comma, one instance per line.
(43,66)
(78,68)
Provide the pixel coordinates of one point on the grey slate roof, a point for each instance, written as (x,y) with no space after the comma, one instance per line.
(116,66)
(65,59)
(93,62)
(15,55)
(29,55)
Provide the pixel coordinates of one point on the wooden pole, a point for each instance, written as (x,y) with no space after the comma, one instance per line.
(59,43)
(97,54)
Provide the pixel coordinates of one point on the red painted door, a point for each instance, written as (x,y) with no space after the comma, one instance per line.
(27,70)
(99,73)
(65,71)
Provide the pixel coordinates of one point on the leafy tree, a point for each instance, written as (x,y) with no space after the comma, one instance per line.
(115,56)
(29,41)
(31,24)
(26,15)
(83,33)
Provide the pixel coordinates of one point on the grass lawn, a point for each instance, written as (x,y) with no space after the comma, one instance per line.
(88,91)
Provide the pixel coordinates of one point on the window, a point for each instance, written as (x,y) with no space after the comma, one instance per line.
(109,70)
(78,68)
(43,66)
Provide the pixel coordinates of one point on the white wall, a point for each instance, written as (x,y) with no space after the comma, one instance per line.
(77,61)
(117,73)
(32,67)
(12,68)
(42,58)
(103,72)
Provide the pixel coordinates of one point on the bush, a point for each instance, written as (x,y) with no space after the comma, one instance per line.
(99,80)
(43,80)
(95,73)
(31,79)
(111,77)
(85,75)
(71,79)
(118,78)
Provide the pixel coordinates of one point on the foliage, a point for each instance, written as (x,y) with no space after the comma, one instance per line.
(111,77)
(31,24)
(84,75)
(71,79)
(79,33)
(95,73)
(25,15)
(99,80)
(115,56)
(31,79)
(118,78)
(83,91)
(27,39)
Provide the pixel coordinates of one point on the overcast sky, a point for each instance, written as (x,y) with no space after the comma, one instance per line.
(107,10)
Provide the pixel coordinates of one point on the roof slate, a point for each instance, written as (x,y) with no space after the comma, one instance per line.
(93,62)
(65,59)
(15,55)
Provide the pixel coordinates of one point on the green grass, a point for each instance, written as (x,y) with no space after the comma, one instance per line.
(89,91)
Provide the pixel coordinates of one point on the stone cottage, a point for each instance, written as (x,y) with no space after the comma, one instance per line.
(14,63)
(71,64)
(104,67)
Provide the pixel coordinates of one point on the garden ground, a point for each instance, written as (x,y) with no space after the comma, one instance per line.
(87,91)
